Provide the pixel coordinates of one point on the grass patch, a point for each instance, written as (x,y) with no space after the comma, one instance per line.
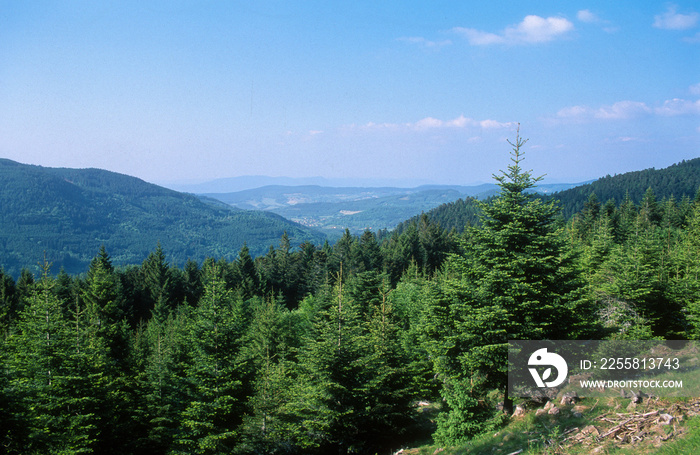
(582,429)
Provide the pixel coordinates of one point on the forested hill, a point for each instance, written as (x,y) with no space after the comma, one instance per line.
(451,216)
(69,213)
(681,180)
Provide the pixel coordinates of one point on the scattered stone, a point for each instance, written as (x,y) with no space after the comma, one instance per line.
(548,405)
(636,397)
(540,412)
(576,414)
(569,398)
(590,429)
(519,411)
(553,411)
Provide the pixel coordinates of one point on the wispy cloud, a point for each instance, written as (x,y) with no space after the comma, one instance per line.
(431,123)
(478,37)
(695,89)
(532,29)
(678,106)
(587,16)
(623,110)
(671,20)
(616,111)
(693,39)
(423,42)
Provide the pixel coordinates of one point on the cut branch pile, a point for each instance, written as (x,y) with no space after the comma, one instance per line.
(631,428)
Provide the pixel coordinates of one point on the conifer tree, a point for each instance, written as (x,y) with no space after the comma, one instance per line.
(249,282)
(214,402)
(160,359)
(8,304)
(156,279)
(55,372)
(685,279)
(105,309)
(354,393)
(192,282)
(265,353)
(324,401)
(516,281)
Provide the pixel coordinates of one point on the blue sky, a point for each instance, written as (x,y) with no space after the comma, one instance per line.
(191,91)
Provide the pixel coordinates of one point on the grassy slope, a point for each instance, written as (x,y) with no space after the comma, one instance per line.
(565,433)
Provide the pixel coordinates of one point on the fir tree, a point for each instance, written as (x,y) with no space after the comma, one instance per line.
(213,412)
(55,372)
(516,281)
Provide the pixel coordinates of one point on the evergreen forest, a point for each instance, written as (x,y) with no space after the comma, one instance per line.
(321,349)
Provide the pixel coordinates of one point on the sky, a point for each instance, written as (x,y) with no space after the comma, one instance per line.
(430,91)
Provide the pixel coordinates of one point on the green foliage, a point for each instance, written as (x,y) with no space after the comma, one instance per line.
(66,214)
(325,349)
(515,280)
(213,397)
(679,180)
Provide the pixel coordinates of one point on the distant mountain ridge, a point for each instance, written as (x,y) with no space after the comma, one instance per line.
(333,209)
(250,182)
(680,180)
(68,214)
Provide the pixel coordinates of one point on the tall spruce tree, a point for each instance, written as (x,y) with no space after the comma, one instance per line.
(56,372)
(214,402)
(265,354)
(515,281)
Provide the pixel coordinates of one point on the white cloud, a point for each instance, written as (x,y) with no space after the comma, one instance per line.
(695,89)
(420,41)
(536,29)
(428,122)
(532,29)
(459,122)
(617,111)
(671,20)
(678,106)
(575,112)
(431,123)
(622,110)
(586,16)
(479,38)
(493,124)
(629,109)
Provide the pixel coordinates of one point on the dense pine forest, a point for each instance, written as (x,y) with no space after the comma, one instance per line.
(328,349)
